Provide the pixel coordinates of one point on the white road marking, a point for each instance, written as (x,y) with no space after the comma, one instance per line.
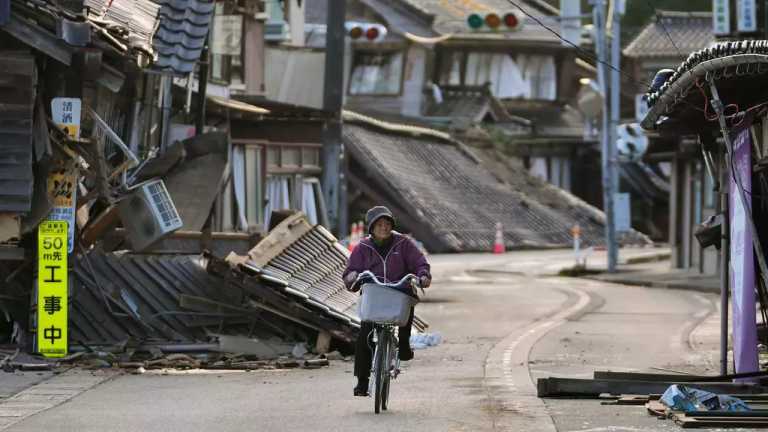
(507,364)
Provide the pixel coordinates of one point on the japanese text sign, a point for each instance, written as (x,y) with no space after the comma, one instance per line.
(52,282)
(721,17)
(62,190)
(66,115)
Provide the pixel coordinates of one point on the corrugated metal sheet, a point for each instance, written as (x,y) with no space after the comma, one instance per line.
(18,77)
(181,34)
(135,296)
(452,203)
(181,299)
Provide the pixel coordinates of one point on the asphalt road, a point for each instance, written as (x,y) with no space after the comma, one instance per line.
(500,330)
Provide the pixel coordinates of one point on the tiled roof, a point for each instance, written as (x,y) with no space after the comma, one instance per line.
(316,11)
(468,104)
(691,32)
(17,97)
(450,18)
(471,104)
(306,262)
(181,34)
(139,17)
(453,203)
(402,18)
(551,120)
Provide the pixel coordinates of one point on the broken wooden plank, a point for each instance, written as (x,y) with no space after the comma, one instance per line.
(555,387)
(709,422)
(39,39)
(656,408)
(639,376)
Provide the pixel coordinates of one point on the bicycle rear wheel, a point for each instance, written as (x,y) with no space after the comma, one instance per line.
(380,367)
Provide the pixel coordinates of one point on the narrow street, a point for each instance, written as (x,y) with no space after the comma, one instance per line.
(500,329)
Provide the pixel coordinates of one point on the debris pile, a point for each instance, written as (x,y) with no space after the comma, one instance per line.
(285,295)
(691,401)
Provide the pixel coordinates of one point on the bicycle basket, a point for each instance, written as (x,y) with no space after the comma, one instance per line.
(385,305)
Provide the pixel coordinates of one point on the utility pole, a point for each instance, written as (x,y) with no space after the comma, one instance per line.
(333,177)
(598,18)
(618,11)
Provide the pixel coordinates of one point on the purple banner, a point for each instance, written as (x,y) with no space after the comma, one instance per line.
(742,265)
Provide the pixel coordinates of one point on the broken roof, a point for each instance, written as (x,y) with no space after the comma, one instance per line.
(691,31)
(306,262)
(168,33)
(451,202)
(180,299)
(181,34)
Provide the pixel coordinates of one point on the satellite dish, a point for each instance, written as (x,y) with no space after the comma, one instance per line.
(632,142)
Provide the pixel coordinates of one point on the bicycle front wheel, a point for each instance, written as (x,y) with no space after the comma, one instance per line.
(388,366)
(381,371)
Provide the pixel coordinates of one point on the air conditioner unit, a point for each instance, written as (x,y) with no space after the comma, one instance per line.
(148,214)
(275,31)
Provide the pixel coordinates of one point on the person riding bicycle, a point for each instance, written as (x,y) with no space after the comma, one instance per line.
(390,256)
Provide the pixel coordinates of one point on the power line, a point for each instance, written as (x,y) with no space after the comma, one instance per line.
(581,50)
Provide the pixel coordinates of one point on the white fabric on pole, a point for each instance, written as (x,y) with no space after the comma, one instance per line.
(238,177)
(308,205)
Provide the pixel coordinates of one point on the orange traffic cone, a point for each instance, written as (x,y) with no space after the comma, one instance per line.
(498,243)
(353,237)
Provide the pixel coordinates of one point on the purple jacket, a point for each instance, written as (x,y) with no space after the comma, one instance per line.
(403,258)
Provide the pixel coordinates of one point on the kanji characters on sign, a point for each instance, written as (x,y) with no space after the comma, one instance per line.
(52,288)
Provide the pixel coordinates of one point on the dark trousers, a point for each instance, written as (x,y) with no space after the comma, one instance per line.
(364,346)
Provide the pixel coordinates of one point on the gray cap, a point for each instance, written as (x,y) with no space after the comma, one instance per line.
(375,214)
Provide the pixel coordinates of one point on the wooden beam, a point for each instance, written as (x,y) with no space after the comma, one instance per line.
(39,39)
(554,387)
(11,253)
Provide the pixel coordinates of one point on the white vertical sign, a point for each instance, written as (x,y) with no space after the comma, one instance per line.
(570,14)
(641,107)
(746,16)
(721,17)
(66,114)
(622,214)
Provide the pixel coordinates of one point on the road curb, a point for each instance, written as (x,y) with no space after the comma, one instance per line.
(49,394)
(654,257)
(657,285)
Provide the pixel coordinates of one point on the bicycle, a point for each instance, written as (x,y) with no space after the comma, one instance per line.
(388,306)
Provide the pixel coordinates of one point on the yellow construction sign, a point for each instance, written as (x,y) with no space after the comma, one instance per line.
(52,277)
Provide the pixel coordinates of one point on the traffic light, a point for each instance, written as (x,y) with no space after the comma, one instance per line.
(370,31)
(510,21)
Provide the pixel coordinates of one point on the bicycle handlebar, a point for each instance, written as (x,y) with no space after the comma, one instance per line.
(378,281)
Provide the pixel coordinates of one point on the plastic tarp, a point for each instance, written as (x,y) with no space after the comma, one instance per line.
(688,399)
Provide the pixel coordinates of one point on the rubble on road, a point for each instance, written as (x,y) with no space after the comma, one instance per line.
(642,389)
(192,311)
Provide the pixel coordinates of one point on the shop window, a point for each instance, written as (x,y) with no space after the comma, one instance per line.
(376,73)
(526,76)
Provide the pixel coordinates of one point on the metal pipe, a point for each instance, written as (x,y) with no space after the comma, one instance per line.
(605,135)
(725,234)
(617,7)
